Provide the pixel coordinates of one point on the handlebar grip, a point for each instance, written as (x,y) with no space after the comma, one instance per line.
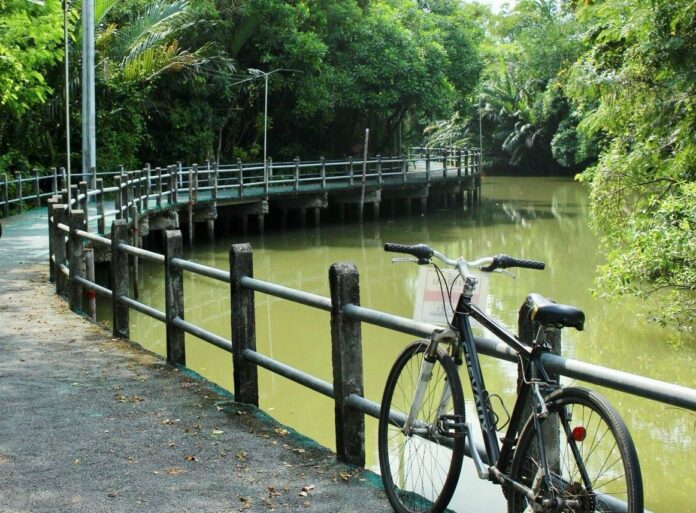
(505,261)
(422,252)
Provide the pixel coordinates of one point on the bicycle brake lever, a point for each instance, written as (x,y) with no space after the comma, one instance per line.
(401,260)
(501,271)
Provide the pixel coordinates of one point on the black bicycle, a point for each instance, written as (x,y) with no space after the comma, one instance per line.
(563,449)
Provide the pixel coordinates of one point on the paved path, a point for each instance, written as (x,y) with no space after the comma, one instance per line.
(90,423)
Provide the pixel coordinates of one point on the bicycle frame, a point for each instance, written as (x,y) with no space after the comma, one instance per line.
(499,457)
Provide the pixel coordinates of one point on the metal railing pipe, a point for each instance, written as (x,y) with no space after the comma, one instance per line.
(141,253)
(203,270)
(102,291)
(297,296)
(144,309)
(93,237)
(196,331)
(307,380)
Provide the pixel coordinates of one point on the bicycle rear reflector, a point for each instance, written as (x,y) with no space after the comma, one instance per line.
(579,434)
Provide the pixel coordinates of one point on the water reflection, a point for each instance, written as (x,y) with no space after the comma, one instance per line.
(540,219)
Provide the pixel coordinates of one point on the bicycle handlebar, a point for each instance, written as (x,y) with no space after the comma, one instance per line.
(425,253)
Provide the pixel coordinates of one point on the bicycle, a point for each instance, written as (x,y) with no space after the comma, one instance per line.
(564,449)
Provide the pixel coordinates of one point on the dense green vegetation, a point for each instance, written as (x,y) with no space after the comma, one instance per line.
(599,88)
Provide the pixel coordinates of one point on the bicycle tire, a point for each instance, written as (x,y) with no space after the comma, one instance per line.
(583,418)
(419,473)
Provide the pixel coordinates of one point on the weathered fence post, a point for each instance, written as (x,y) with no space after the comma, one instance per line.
(76,259)
(216,177)
(379,169)
(146,200)
(427,167)
(101,221)
(119,197)
(296,183)
(18,177)
(59,216)
(346,357)
(5,198)
(240,168)
(84,205)
(120,234)
(174,297)
(323,173)
(37,188)
(54,183)
(173,185)
(90,293)
(266,178)
(137,190)
(351,170)
(53,200)
(158,181)
(246,383)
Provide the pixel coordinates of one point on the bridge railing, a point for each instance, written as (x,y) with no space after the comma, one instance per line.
(69,239)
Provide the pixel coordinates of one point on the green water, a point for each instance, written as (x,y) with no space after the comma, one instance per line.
(543,219)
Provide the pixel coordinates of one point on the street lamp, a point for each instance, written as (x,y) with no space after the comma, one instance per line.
(256,73)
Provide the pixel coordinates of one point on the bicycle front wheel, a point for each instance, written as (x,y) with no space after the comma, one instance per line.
(420,468)
(592,462)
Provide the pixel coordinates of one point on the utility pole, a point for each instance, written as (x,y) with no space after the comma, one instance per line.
(89,125)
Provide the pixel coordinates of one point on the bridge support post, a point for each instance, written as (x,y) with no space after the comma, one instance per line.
(120,234)
(346,357)
(174,297)
(246,382)
(76,259)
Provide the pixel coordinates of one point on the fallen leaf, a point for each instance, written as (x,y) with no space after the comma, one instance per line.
(241,455)
(217,432)
(175,471)
(281,431)
(308,488)
(190,457)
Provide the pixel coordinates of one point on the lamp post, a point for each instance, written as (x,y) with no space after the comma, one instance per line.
(66,6)
(256,73)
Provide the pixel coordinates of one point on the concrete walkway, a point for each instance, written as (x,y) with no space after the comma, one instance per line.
(90,423)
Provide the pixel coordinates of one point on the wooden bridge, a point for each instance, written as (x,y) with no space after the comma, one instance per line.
(177,196)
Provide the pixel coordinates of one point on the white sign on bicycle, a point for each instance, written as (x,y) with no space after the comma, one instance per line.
(431,304)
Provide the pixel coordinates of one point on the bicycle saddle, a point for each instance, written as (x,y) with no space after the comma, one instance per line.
(548,313)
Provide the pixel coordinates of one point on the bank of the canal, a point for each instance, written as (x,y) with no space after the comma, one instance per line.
(90,423)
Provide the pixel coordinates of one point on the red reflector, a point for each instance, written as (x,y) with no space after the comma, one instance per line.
(579,433)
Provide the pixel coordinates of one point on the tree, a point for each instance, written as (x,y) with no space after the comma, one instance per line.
(636,87)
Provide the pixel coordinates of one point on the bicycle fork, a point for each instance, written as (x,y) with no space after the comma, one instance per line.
(424,376)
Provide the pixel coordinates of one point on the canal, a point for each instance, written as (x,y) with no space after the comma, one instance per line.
(544,219)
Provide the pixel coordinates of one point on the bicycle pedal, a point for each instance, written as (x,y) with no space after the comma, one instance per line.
(451,426)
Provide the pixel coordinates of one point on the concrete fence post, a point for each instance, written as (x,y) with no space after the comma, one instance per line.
(51,267)
(119,197)
(54,183)
(148,186)
(427,167)
(346,357)
(76,259)
(18,177)
(5,198)
(158,184)
(323,173)
(174,297)
(351,170)
(246,382)
(216,177)
(59,215)
(296,182)
(101,222)
(173,185)
(90,293)
(120,234)
(83,203)
(37,188)
(240,170)
(379,169)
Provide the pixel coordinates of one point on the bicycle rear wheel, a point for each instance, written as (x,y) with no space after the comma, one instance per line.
(591,458)
(420,470)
